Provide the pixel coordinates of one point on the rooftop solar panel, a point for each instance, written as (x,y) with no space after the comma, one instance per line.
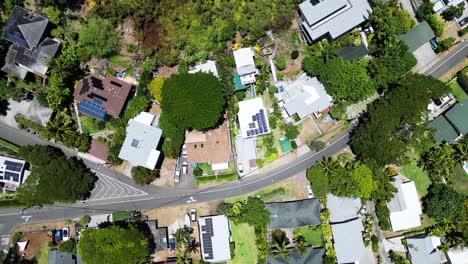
(92,109)
(97,83)
(116,84)
(11,176)
(206,237)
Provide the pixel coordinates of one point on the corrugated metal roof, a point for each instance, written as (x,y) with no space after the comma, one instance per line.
(417,36)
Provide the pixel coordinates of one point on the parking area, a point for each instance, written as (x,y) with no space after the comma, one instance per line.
(425,56)
(186,180)
(110,188)
(246,154)
(31,110)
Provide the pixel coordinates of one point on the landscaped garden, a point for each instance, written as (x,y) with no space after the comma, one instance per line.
(312,235)
(411,170)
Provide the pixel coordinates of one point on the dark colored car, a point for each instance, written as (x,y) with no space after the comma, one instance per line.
(58,235)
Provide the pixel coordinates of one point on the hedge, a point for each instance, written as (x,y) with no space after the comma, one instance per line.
(217,178)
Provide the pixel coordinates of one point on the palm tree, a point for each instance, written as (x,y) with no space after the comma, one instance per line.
(300,245)
(282,250)
(60,128)
(192,245)
(330,166)
(182,257)
(461,151)
(181,236)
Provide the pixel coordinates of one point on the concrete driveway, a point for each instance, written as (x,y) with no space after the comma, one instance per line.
(426,57)
(30,110)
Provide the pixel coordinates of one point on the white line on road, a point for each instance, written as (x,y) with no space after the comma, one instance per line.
(447,59)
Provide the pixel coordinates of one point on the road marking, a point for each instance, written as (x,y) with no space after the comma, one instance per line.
(446,59)
(26,217)
(109,188)
(191,200)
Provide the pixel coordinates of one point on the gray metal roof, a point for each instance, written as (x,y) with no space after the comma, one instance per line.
(422,250)
(58,257)
(333,17)
(348,242)
(139,147)
(397,203)
(417,36)
(341,208)
(310,256)
(294,214)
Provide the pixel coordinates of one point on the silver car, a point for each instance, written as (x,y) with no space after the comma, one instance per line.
(177,175)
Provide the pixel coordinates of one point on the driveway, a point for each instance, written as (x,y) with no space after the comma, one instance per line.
(425,56)
(246,153)
(31,110)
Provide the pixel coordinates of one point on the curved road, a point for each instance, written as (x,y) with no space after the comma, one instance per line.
(157,196)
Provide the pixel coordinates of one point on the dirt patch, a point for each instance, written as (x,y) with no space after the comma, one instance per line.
(166,71)
(37,241)
(43,226)
(308,131)
(155,109)
(166,173)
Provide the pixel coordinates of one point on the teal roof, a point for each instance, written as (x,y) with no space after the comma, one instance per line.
(458,116)
(444,131)
(238,86)
(417,36)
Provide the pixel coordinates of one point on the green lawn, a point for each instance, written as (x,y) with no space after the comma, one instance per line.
(276,193)
(411,170)
(461,180)
(243,236)
(9,145)
(458,92)
(90,125)
(43,254)
(207,170)
(219,178)
(313,235)
(119,60)
(120,216)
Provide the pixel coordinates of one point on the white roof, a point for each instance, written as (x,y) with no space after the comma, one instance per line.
(13,172)
(244,59)
(405,207)
(342,208)
(220,166)
(22,245)
(458,256)
(334,17)
(348,243)
(208,67)
(304,96)
(247,110)
(215,248)
(139,147)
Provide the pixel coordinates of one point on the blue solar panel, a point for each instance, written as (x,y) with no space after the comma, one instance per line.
(98,101)
(248,133)
(93,109)
(254,118)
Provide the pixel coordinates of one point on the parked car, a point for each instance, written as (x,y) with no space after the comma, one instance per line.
(58,235)
(310,194)
(184,167)
(240,169)
(434,44)
(463,22)
(362,211)
(184,151)
(66,233)
(193,214)
(177,175)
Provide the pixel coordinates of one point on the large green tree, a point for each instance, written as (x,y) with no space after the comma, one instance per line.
(443,202)
(189,101)
(54,177)
(98,38)
(362,181)
(439,162)
(318,181)
(114,245)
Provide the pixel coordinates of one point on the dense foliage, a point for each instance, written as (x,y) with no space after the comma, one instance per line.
(143,175)
(98,38)
(54,177)
(426,12)
(114,245)
(443,202)
(189,101)
(393,121)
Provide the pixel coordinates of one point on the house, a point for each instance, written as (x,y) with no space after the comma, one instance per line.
(294,214)
(12,173)
(419,35)
(101,96)
(59,257)
(438,106)
(423,249)
(458,255)
(452,125)
(245,65)
(348,243)
(253,118)
(310,256)
(342,209)
(304,96)
(441,5)
(404,207)
(31,47)
(212,146)
(208,67)
(331,18)
(215,238)
(141,141)
(160,234)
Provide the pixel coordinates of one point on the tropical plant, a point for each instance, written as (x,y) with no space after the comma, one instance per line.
(439,162)
(300,245)
(182,235)
(192,245)
(183,257)
(61,127)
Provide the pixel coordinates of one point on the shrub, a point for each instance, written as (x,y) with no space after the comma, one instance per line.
(445,44)
(68,222)
(280,76)
(375,244)
(132,48)
(463,32)
(281,64)
(294,54)
(462,79)
(272,89)
(436,25)
(338,111)
(197,171)
(259,162)
(293,144)
(273,122)
(316,145)
(271,158)
(67,246)
(143,175)
(84,220)
(16,236)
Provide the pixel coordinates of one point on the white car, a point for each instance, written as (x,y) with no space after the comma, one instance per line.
(184,167)
(240,169)
(193,214)
(310,194)
(177,175)
(184,151)
(66,234)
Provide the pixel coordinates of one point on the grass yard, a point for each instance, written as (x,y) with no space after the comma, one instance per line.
(312,234)
(120,216)
(243,236)
(119,60)
(9,145)
(411,170)
(43,254)
(278,192)
(457,91)
(461,180)
(90,125)
(207,170)
(218,178)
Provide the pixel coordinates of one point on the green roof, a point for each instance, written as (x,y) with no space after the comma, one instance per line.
(294,214)
(417,36)
(444,131)
(352,52)
(238,86)
(285,144)
(458,116)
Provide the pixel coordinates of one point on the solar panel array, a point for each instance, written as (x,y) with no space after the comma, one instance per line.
(207,233)
(97,83)
(11,176)
(262,125)
(94,109)
(13,166)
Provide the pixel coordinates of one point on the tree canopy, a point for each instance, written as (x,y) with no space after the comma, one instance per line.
(189,101)
(98,38)
(114,245)
(393,121)
(443,202)
(54,177)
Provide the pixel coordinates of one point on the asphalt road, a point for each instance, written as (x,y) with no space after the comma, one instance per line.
(457,55)
(156,196)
